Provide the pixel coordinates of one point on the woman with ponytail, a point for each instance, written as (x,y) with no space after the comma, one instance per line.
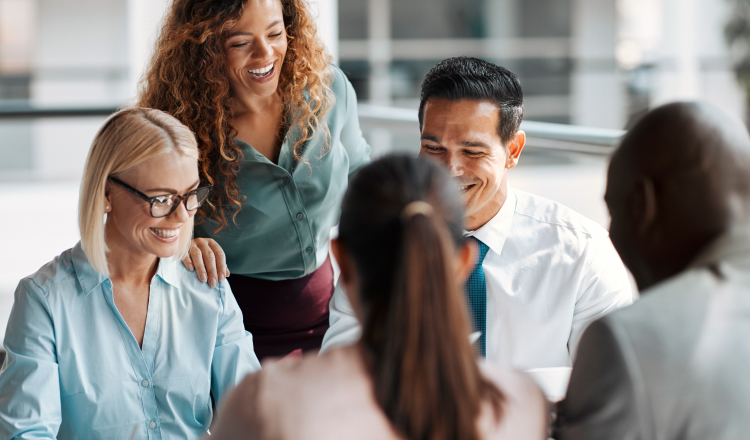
(414,375)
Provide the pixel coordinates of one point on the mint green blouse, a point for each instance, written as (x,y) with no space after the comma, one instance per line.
(282,231)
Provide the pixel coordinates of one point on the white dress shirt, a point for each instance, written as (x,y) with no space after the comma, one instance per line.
(549,272)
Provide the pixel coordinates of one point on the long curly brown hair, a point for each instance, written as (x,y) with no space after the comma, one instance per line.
(187,78)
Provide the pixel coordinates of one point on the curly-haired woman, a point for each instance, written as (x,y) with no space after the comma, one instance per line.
(279,137)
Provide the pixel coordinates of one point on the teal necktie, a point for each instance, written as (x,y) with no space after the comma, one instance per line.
(476,291)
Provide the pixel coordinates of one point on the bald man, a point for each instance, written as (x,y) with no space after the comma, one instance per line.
(676,364)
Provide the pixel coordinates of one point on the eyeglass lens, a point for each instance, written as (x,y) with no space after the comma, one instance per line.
(165,205)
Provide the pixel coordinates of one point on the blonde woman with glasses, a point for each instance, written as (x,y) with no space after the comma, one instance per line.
(115,338)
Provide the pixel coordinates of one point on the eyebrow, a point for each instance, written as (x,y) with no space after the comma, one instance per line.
(234,34)
(172,190)
(473,144)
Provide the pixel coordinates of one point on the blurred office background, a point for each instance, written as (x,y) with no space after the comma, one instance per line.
(593,66)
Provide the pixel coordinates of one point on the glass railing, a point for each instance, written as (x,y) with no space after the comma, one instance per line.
(542,135)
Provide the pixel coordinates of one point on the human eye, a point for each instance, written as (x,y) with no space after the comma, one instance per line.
(278,34)
(238,44)
(432,149)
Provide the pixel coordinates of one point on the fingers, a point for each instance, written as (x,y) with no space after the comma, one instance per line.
(196,256)
(188,262)
(221,260)
(209,260)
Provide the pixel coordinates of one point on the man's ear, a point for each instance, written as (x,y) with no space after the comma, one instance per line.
(515,146)
(643,207)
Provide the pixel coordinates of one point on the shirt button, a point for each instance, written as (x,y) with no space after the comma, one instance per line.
(144,383)
(286,181)
(308,250)
(300,216)
(152,425)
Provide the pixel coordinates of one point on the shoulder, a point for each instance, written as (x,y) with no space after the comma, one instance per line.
(57,277)
(343,92)
(517,386)
(543,211)
(336,364)
(178,276)
(339,81)
(667,306)
(240,412)
(524,409)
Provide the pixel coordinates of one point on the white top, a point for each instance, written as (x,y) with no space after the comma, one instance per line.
(331,397)
(675,364)
(550,272)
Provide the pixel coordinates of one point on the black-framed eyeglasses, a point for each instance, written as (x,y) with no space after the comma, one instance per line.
(162,206)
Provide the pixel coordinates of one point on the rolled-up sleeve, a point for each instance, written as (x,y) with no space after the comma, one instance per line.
(234,356)
(344,327)
(351,134)
(29,379)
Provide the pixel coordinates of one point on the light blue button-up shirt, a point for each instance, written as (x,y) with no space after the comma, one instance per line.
(74,370)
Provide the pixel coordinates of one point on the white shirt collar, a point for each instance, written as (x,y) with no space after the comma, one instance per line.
(494,232)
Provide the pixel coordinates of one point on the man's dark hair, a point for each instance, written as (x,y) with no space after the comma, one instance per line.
(471,78)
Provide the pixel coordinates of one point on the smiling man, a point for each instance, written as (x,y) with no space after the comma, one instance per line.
(544,271)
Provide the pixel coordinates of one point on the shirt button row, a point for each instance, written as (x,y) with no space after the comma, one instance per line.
(309,250)
(286,181)
(300,216)
(144,383)
(152,425)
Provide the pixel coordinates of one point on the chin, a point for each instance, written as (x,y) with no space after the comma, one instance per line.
(265,90)
(164,250)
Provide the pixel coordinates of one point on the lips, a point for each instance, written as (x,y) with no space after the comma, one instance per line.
(165,235)
(263,73)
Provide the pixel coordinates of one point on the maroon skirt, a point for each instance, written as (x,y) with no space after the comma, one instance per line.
(285,317)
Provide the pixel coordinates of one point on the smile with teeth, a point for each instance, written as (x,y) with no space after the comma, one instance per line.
(262,72)
(464,188)
(166,233)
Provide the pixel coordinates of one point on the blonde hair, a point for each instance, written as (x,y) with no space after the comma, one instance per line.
(128,138)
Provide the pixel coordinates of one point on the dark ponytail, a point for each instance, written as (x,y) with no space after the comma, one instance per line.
(402,223)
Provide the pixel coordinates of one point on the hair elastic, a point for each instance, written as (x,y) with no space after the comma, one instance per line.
(417,207)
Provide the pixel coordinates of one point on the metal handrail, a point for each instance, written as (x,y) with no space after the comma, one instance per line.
(541,135)
(544,135)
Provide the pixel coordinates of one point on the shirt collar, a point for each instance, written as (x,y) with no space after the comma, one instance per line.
(494,232)
(88,277)
(167,271)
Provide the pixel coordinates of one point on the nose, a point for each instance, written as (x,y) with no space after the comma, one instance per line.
(181,214)
(454,164)
(263,50)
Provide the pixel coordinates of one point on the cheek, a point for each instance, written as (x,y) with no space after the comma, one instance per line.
(281,49)
(233,62)
(489,173)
